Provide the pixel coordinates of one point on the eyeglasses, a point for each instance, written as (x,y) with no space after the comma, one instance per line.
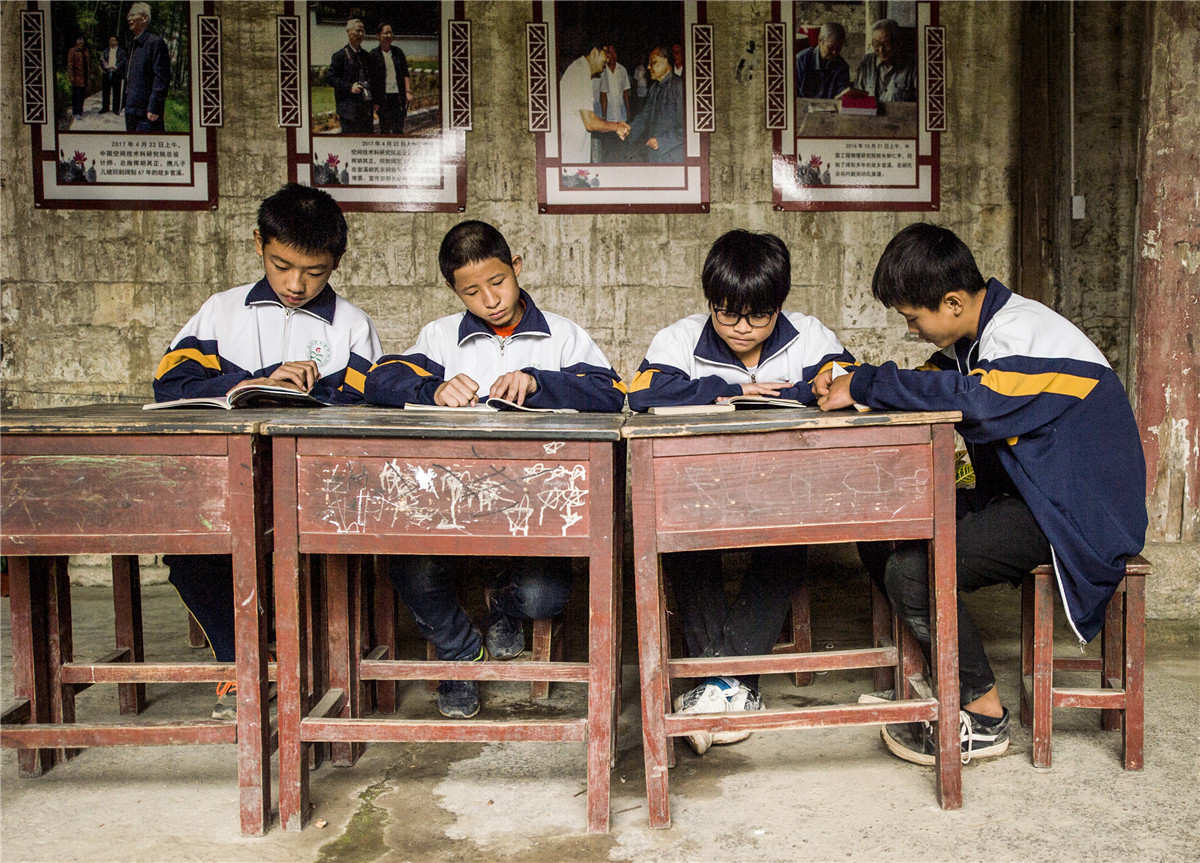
(727,318)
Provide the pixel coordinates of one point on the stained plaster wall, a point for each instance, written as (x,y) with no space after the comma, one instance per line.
(89,300)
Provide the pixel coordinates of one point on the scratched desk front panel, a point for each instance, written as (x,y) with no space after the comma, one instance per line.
(826,485)
(400,495)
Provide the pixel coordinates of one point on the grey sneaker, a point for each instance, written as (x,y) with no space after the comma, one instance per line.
(981,737)
(505,638)
(744,698)
(880,697)
(458,699)
(226,707)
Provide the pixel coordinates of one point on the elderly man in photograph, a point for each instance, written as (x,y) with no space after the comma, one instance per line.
(148,76)
(884,73)
(78,60)
(350,74)
(391,85)
(821,73)
(656,134)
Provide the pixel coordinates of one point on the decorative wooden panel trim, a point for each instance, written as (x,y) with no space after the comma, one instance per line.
(287,31)
(33,78)
(460,75)
(211,103)
(704,107)
(935,64)
(537,69)
(775,73)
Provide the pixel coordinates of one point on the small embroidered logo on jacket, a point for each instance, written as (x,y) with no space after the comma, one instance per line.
(318,351)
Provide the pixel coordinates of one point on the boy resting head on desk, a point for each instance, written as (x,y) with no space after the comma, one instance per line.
(501,346)
(745,345)
(1041,410)
(288,329)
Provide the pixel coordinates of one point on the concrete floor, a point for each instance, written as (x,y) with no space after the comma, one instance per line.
(829,794)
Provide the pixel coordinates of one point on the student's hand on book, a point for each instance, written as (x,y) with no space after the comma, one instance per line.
(302,374)
(838,396)
(764,388)
(820,384)
(458,392)
(514,387)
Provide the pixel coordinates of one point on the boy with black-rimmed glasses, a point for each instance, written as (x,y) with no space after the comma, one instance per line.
(745,345)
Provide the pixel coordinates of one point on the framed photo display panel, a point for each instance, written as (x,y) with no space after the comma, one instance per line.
(352,128)
(657,161)
(93,73)
(876,146)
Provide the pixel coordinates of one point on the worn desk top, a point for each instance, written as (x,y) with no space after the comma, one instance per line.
(395,422)
(131,419)
(773,419)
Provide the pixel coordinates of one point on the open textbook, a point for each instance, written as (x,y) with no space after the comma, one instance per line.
(252,395)
(489,405)
(745,402)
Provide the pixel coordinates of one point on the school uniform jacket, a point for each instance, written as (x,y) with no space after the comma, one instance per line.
(689,364)
(246,332)
(570,370)
(1042,395)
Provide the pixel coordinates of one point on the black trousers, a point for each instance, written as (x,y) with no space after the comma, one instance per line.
(997,542)
(205,584)
(110,85)
(392,111)
(749,625)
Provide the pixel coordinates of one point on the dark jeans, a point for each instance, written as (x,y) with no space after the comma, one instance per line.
(531,587)
(997,542)
(392,111)
(111,86)
(355,118)
(137,121)
(749,626)
(77,97)
(205,584)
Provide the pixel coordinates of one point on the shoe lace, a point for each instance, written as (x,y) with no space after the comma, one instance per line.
(229,687)
(966,733)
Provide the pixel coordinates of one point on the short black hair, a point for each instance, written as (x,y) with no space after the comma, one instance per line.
(304,218)
(921,265)
(747,272)
(468,243)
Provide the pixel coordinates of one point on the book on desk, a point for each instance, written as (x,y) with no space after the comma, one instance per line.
(489,405)
(252,395)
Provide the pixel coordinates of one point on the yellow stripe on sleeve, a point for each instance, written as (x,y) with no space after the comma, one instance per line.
(641,381)
(355,378)
(174,358)
(422,372)
(1018,384)
(621,386)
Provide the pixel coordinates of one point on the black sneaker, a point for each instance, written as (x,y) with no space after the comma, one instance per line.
(458,699)
(981,736)
(505,638)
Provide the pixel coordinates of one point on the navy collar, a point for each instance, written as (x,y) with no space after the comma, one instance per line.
(533,322)
(997,296)
(712,348)
(321,306)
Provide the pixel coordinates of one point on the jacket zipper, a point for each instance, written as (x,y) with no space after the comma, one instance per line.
(287,328)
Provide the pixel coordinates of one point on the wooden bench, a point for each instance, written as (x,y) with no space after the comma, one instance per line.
(1121,664)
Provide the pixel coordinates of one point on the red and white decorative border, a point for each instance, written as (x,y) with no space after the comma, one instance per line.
(211,110)
(775,75)
(33,74)
(935,79)
(287,49)
(537,72)
(704,113)
(460,75)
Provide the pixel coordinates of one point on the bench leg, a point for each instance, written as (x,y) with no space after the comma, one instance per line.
(881,631)
(28,601)
(1135,664)
(386,691)
(61,649)
(1043,669)
(544,644)
(1027,589)
(802,627)
(1112,652)
(343,622)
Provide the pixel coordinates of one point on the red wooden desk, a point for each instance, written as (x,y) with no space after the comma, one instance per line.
(115,480)
(367,481)
(778,477)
